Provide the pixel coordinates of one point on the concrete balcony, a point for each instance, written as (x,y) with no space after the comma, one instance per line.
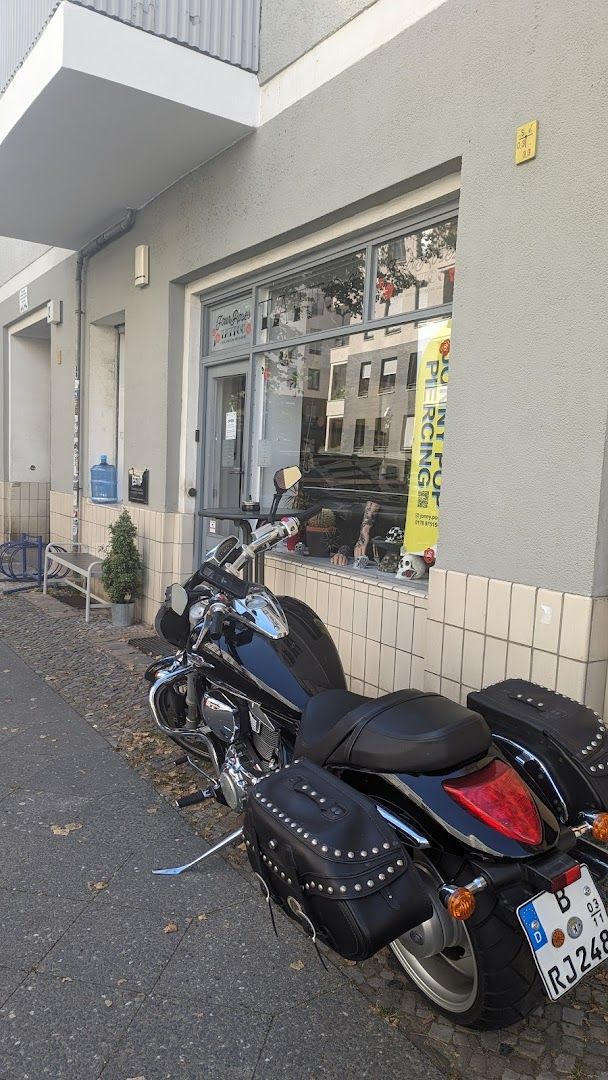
(101,116)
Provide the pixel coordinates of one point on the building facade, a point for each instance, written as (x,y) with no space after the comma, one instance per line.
(326,198)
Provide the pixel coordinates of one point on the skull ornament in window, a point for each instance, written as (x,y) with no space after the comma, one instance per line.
(411,567)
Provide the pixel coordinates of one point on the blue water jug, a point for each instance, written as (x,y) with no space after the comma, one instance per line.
(103,482)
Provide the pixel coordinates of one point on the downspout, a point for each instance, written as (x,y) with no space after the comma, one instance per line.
(84,254)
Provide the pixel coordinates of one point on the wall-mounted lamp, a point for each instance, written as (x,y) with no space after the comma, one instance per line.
(142,265)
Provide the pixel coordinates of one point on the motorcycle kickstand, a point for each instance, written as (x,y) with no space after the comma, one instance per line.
(231,838)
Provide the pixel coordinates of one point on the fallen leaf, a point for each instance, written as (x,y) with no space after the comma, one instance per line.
(297,965)
(152,810)
(170,928)
(65,830)
(202,918)
(121,982)
(97,886)
(66,978)
(108,1003)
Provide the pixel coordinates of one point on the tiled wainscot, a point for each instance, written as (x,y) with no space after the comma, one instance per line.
(379,628)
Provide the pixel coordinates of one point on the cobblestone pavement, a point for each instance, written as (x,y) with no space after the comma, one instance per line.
(99,674)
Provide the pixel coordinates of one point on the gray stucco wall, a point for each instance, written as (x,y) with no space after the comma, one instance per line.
(15,255)
(528,396)
(289,28)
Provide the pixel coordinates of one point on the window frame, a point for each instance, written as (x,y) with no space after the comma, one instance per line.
(371,239)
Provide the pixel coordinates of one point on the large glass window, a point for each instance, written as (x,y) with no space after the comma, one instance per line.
(416,270)
(358,402)
(322,297)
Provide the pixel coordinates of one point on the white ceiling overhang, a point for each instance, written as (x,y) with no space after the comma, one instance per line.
(102,117)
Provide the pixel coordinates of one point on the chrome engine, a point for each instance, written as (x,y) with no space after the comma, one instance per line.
(245,763)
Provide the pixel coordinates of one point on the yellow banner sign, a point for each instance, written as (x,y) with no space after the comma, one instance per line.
(422,516)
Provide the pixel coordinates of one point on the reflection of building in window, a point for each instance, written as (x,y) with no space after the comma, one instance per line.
(407,432)
(388,376)
(315,350)
(334,434)
(314,378)
(381,433)
(359,439)
(412,370)
(365,372)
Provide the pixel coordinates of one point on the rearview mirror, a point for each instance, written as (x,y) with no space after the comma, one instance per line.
(178,599)
(287,478)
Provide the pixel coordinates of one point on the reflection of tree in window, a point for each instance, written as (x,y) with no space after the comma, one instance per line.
(338,382)
(388,376)
(314,378)
(364,377)
(334,434)
(359,440)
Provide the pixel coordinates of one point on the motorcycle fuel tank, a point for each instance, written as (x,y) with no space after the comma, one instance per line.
(285,673)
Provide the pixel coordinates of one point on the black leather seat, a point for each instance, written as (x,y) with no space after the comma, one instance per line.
(408,731)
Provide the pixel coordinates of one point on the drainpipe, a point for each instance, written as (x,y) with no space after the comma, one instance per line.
(84,255)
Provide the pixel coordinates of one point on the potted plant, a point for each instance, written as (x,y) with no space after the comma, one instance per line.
(321,533)
(121,570)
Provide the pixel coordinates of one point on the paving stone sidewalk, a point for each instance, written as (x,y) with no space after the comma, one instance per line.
(107,971)
(95,670)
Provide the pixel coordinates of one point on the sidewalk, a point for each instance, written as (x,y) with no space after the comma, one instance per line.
(108,971)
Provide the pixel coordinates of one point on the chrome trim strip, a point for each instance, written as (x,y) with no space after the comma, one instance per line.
(526,756)
(412,834)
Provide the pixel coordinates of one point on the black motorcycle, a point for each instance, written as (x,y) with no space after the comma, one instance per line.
(469,839)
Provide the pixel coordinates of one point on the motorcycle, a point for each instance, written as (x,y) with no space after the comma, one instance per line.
(497,808)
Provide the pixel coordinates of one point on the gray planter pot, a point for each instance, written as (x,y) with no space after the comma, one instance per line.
(122,614)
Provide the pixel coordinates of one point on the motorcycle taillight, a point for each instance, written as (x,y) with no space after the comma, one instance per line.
(499,797)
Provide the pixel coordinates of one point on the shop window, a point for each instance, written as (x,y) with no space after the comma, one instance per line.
(388,376)
(352,440)
(365,372)
(411,270)
(349,414)
(359,439)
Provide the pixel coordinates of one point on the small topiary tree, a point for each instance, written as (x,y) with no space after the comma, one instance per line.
(122,568)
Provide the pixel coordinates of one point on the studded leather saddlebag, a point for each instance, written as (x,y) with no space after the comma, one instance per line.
(329,859)
(567,740)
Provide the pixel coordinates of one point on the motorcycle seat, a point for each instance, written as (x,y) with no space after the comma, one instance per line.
(407,731)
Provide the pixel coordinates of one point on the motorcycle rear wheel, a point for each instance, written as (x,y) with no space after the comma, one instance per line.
(490,981)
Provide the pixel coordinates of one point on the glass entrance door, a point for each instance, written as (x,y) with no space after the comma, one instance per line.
(223,444)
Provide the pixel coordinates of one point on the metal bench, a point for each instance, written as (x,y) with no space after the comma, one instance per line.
(81,563)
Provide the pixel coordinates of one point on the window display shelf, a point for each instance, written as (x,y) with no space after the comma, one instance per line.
(369,576)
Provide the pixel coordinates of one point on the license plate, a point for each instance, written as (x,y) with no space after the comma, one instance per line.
(576,918)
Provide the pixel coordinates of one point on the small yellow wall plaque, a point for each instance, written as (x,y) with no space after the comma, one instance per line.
(525,145)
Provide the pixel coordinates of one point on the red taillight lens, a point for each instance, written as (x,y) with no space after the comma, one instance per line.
(497,796)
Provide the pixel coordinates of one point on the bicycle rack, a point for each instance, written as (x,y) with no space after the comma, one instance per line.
(23,560)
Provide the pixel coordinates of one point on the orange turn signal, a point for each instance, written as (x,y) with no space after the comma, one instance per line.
(599,828)
(461,904)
